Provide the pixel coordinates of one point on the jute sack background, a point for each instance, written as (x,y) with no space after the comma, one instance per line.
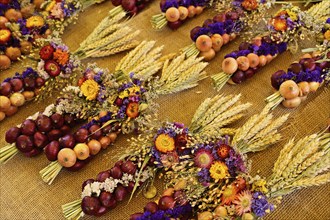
(23,195)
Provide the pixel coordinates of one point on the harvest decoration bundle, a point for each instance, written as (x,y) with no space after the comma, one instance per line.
(303,77)
(131,7)
(220,187)
(164,149)
(175,12)
(123,102)
(57,66)
(224,27)
(23,22)
(283,29)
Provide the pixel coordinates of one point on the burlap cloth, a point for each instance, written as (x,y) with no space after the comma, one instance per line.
(23,195)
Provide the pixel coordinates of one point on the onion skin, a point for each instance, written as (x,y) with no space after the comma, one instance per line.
(217,42)
(225,38)
(304,88)
(313,86)
(243,63)
(4,103)
(289,89)
(208,55)
(17,99)
(66,157)
(2,116)
(262,60)
(172,14)
(203,43)
(253,60)
(4,62)
(183,13)
(229,65)
(292,103)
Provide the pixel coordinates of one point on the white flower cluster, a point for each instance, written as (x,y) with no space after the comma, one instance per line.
(74,89)
(41,71)
(110,184)
(174,128)
(49,110)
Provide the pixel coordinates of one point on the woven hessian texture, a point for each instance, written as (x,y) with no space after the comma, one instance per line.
(23,195)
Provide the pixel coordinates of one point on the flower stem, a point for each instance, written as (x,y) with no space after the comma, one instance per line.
(220,80)
(158,21)
(275,99)
(72,210)
(7,152)
(190,50)
(49,173)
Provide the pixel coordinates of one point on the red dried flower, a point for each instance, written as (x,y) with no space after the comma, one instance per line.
(223,151)
(46,52)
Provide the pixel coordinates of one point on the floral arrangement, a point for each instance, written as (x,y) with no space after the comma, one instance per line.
(171,147)
(301,78)
(325,33)
(56,67)
(282,29)
(175,13)
(112,104)
(222,188)
(224,27)
(23,22)
(131,7)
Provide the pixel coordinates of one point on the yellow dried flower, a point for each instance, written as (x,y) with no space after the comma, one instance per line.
(50,6)
(260,185)
(90,89)
(35,21)
(292,14)
(219,170)
(164,143)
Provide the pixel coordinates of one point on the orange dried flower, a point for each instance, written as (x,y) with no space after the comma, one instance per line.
(61,56)
(279,24)
(250,5)
(327,35)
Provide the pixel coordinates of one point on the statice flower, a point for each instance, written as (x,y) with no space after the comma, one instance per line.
(204,175)
(168,4)
(217,28)
(29,72)
(232,54)
(201,31)
(235,163)
(260,205)
(243,53)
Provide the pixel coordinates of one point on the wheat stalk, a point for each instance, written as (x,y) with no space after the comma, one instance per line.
(306,151)
(274,125)
(105,24)
(186,74)
(138,55)
(227,117)
(262,144)
(109,39)
(282,161)
(244,130)
(125,61)
(116,50)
